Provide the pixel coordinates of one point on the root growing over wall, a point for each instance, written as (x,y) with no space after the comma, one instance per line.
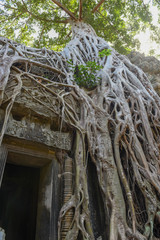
(116,124)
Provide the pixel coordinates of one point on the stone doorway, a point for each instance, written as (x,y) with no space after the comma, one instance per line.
(18,202)
(29,174)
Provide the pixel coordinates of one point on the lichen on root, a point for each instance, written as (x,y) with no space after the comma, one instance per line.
(117,127)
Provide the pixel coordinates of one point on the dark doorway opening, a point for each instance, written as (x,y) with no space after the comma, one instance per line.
(18,202)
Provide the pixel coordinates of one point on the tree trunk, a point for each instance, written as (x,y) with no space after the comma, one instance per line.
(117,126)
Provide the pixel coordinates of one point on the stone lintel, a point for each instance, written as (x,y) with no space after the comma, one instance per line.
(32,130)
(35,130)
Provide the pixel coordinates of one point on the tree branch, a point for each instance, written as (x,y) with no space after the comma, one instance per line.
(36,16)
(65,21)
(80,9)
(97,6)
(65,9)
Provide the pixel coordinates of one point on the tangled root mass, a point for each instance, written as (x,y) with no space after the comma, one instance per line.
(117,133)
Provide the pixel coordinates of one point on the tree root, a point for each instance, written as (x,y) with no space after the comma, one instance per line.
(117,124)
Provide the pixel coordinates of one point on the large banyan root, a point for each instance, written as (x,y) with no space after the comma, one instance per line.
(117,127)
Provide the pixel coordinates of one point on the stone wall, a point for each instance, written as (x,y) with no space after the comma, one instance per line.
(150,65)
(33,117)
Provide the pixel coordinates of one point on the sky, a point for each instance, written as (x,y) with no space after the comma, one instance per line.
(144,37)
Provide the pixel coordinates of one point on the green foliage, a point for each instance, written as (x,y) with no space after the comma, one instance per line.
(32,21)
(151,52)
(85,75)
(105,52)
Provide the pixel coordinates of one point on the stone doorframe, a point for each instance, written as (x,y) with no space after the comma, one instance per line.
(26,153)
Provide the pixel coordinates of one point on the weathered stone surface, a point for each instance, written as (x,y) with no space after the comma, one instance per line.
(150,65)
(29,130)
(32,99)
(29,104)
(34,117)
(49,202)
(33,129)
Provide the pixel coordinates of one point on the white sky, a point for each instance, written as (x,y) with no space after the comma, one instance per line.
(144,37)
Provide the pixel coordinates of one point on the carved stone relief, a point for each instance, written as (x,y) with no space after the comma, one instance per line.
(31,128)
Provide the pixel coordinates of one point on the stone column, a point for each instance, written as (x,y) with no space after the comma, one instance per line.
(67,194)
(3,158)
(49,202)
